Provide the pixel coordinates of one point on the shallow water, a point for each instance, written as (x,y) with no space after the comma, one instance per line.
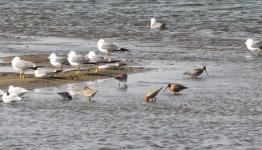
(219,111)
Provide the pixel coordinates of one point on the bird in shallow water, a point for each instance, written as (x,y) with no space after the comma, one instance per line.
(122,77)
(175,87)
(152,94)
(10,98)
(65,95)
(157,25)
(89,92)
(22,65)
(196,72)
(254,46)
(19,91)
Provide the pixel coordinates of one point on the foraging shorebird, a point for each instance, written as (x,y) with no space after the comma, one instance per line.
(19,91)
(106,47)
(10,97)
(175,87)
(65,95)
(74,90)
(196,72)
(57,61)
(152,94)
(89,92)
(122,77)
(156,25)
(22,65)
(254,46)
(76,61)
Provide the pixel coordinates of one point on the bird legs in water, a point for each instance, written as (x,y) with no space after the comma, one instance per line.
(119,84)
(153,100)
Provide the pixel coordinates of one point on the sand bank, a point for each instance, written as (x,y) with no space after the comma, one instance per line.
(87,73)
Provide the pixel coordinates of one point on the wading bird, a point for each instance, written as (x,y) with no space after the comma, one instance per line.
(122,77)
(196,72)
(89,92)
(10,97)
(175,87)
(157,25)
(152,94)
(65,95)
(19,91)
(254,46)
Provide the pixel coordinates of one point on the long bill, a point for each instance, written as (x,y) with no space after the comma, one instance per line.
(206,72)
(165,89)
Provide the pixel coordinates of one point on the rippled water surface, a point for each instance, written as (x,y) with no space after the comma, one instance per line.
(219,111)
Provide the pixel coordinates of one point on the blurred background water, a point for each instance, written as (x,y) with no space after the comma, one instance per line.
(219,111)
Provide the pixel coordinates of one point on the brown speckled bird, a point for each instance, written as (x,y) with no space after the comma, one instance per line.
(122,77)
(152,94)
(175,87)
(196,72)
(89,92)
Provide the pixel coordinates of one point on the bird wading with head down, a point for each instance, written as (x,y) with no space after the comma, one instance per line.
(175,87)
(152,95)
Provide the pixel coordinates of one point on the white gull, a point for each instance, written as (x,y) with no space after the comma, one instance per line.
(22,65)
(254,46)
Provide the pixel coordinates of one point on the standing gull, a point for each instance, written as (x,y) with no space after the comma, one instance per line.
(122,77)
(196,72)
(22,65)
(92,57)
(75,60)
(156,25)
(175,87)
(106,47)
(152,94)
(57,61)
(89,92)
(254,46)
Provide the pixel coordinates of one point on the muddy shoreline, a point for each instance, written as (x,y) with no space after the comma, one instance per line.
(87,73)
